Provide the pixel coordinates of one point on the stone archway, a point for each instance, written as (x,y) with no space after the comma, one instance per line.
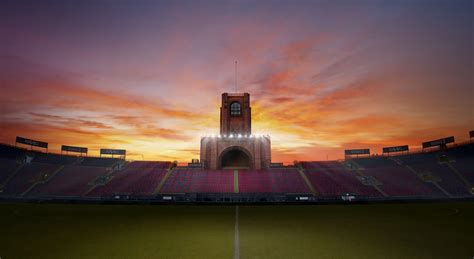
(235,157)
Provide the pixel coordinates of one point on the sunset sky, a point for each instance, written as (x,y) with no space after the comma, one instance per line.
(323,76)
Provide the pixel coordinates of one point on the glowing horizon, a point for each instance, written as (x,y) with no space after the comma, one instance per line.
(322,76)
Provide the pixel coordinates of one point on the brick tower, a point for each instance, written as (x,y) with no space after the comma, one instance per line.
(236,114)
(235,146)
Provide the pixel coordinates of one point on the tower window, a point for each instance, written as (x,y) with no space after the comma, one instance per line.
(235,109)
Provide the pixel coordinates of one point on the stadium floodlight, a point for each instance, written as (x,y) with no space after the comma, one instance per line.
(231,135)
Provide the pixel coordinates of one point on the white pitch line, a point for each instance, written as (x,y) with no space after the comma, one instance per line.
(236,234)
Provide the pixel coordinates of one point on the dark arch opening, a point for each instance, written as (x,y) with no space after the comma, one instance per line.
(235,158)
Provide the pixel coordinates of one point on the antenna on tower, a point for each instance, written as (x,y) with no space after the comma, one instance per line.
(235,77)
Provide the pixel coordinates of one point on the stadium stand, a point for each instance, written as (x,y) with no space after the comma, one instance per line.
(445,173)
(72,180)
(447,178)
(55,159)
(199,180)
(461,159)
(419,158)
(11,152)
(27,176)
(374,162)
(136,178)
(98,161)
(333,179)
(465,166)
(399,181)
(272,181)
(7,167)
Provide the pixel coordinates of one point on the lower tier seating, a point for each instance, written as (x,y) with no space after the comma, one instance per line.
(198,180)
(27,176)
(465,166)
(70,181)
(399,181)
(136,178)
(448,180)
(272,181)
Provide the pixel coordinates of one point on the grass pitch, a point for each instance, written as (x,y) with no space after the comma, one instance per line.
(429,230)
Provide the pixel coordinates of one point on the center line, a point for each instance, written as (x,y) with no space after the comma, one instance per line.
(236,234)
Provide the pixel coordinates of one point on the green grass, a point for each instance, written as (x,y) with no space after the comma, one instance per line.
(109,231)
(360,231)
(430,230)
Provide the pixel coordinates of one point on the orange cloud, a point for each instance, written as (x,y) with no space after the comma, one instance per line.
(315,92)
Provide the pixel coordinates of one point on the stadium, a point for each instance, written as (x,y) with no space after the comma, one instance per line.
(115,160)
(236,167)
(228,174)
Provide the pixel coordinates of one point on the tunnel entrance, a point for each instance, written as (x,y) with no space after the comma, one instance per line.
(235,158)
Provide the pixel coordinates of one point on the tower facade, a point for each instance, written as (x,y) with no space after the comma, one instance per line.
(236,114)
(235,146)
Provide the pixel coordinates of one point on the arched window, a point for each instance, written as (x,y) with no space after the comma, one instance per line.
(235,109)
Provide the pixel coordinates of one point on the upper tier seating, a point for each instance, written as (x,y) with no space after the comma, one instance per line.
(465,166)
(55,159)
(11,152)
(412,159)
(461,151)
(463,161)
(199,180)
(7,166)
(99,161)
(319,164)
(372,162)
